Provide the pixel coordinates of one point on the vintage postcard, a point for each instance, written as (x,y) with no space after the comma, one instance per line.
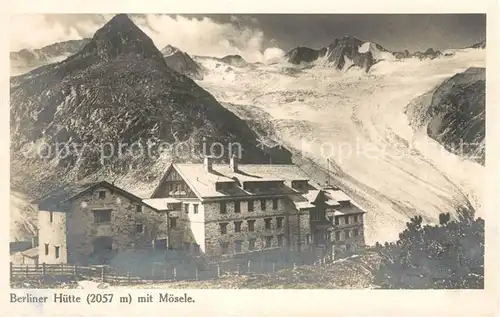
(194,163)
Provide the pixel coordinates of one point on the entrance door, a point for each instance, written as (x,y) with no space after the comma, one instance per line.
(319,237)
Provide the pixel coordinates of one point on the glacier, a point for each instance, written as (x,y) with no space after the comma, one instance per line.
(357,121)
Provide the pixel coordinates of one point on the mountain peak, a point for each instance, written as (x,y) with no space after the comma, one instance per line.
(120,37)
(169,50)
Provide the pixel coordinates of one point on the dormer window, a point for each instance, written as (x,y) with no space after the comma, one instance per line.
(102,194)
(299,185)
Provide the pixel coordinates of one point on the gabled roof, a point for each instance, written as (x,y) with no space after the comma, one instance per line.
(68,193)
(160,204)
(203,182)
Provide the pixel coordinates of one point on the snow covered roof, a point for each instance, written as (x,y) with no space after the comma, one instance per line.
(203,182)
(160,203)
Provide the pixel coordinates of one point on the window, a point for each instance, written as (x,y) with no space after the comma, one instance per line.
(223,227)
(355,232)
(308,238)
(315,215)
(360,218)
(237,226)
(102,194)
(237,246)
(186,208)
(195,209)
(224,247)
(187,246)
(275,203)
(51,216)
(280,240)
(263,204)
(196,248)
(102,216)
(268,241)
(250,205)
(268,223)
(237,206)
(223,209)
(251,244)
(251,225)
(347,234)
(138,208)
(57,252)
(346,220)
(172,222)
(330,219)
(337,221)
(139,228)
(46,249)
(279,222)
(337,236)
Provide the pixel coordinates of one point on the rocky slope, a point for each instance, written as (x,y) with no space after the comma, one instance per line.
(454,113)
(116,91)
(181,62)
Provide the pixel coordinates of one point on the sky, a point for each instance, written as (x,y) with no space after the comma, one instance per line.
(264,36)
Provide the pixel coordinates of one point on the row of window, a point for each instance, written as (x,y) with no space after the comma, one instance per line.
(346,219)
(56,250)
(195,208)
(251,225)
(250,205)
(238,244)
(346,234)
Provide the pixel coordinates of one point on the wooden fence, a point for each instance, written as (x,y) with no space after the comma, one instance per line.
(181,273)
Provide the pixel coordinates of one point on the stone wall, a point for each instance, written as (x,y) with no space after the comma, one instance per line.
(82,230)
(213,218)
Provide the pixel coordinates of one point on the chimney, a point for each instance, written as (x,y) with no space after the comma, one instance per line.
(207,163)
(233,163)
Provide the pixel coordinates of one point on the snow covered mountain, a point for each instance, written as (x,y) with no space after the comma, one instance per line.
(343,53)
(347,52)
(25,60)
(181,62)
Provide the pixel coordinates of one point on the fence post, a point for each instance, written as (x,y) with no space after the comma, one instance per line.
(248,266)
(62,268)
(153,272)
(128,277)
(27,270)
(103,277)
(218,270)
(44,270)
(11,269)
(238,269)
(294,266)
(75,271)
(175,273)
(274,266)
(196,273)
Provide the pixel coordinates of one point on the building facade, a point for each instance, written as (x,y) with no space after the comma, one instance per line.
(93,224)
(223,210)
(211,210)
